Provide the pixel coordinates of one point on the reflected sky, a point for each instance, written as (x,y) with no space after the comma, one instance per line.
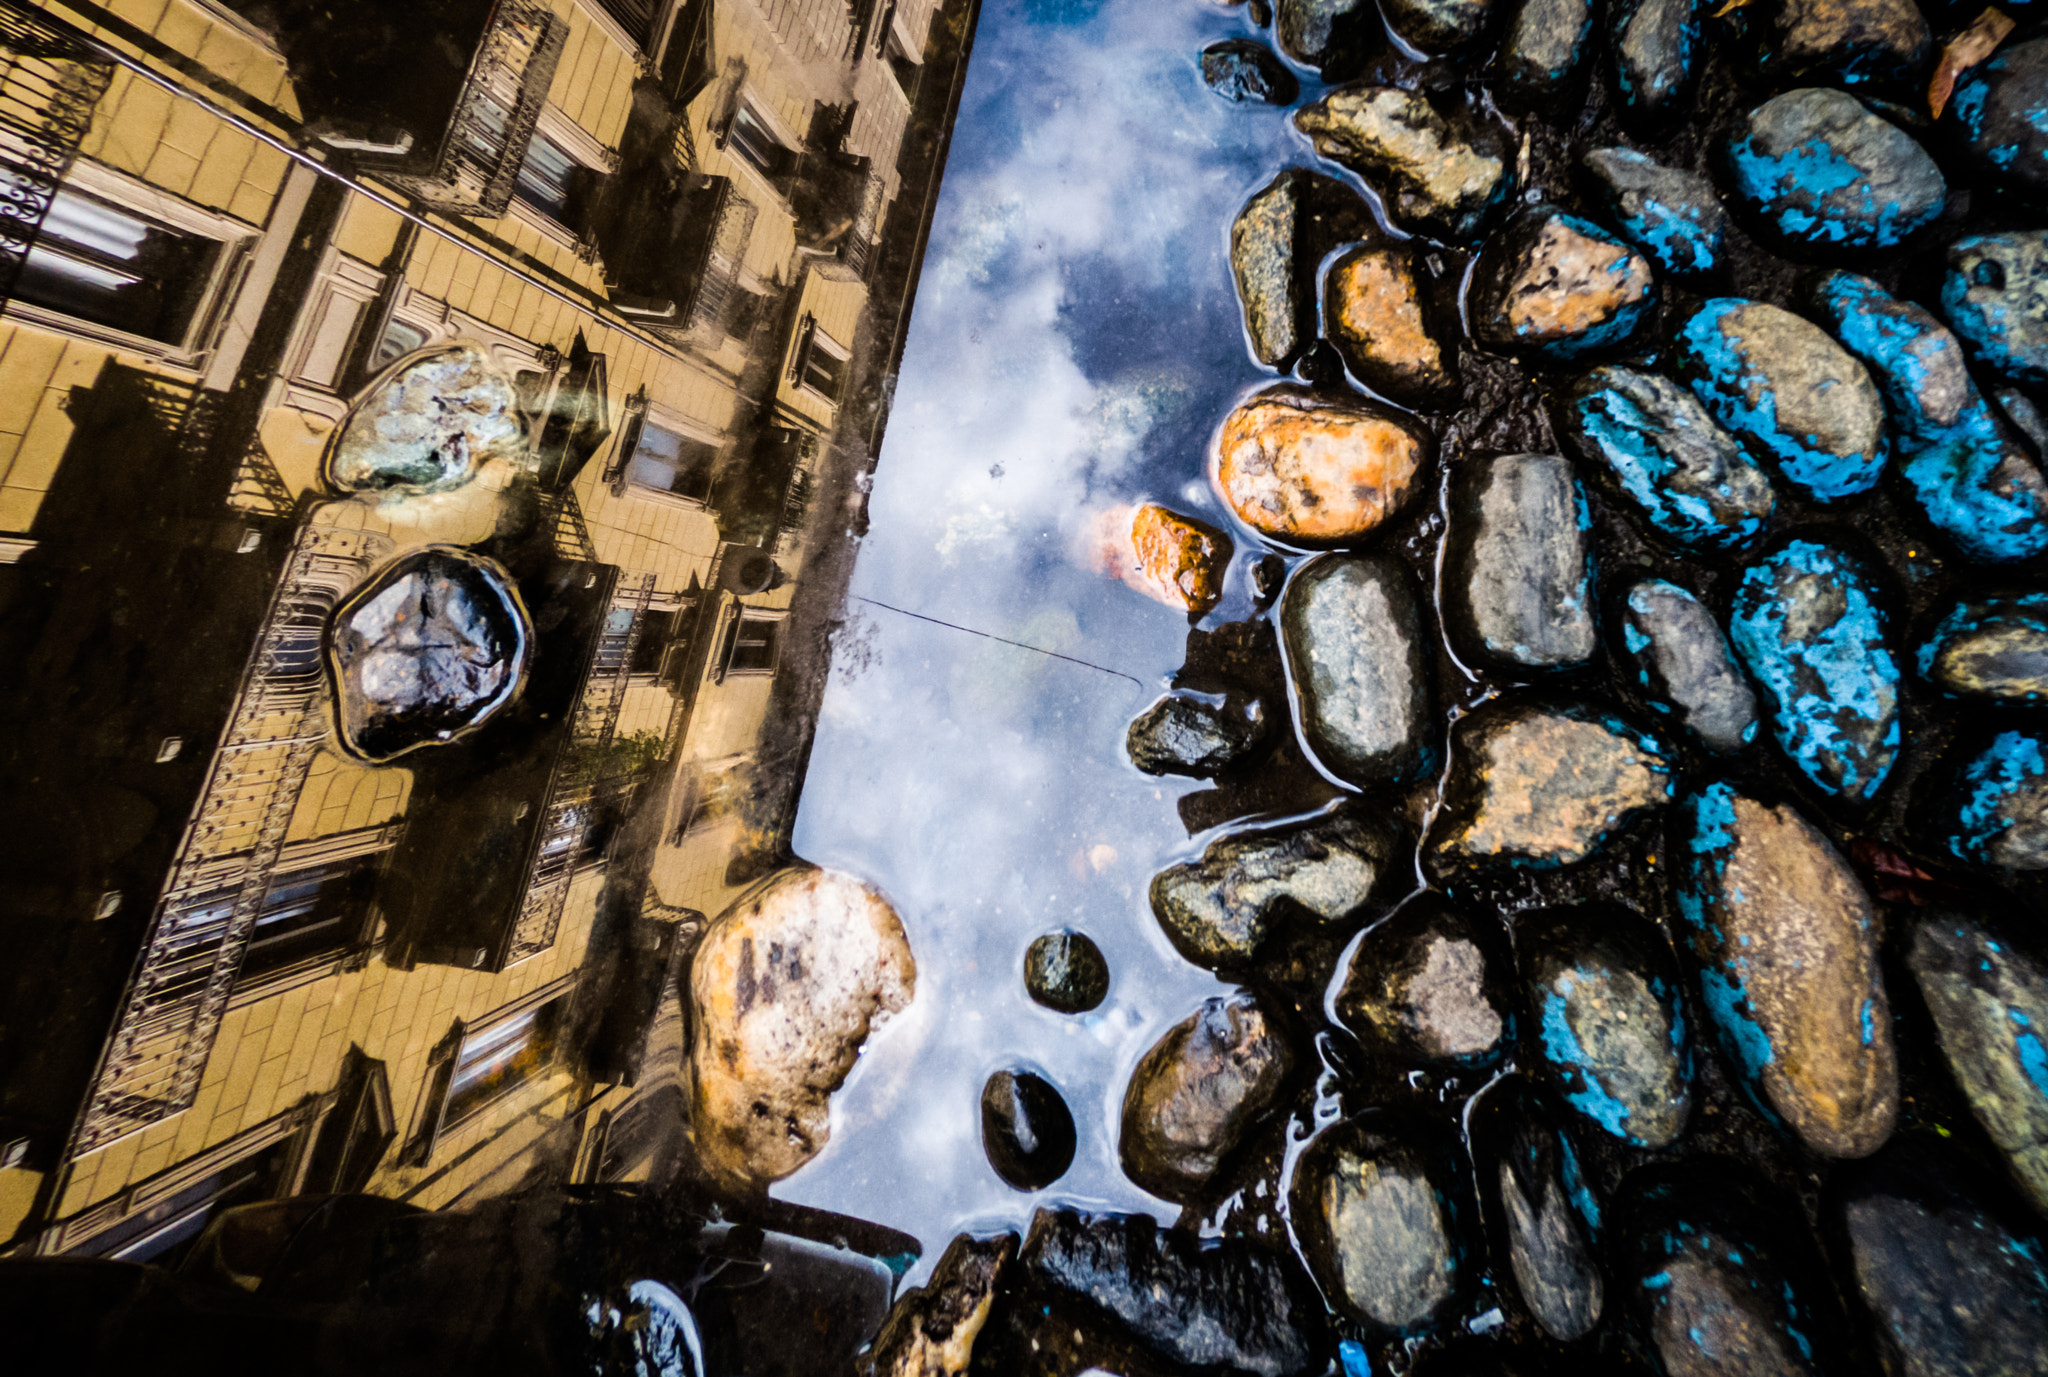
(1076,338)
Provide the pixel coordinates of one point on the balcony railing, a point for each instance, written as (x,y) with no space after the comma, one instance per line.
(858,252)
(173,1007)
(585,789)
(51,79)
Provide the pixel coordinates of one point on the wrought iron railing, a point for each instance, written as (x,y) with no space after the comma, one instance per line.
(716,299)
(858,252)
(586,788)
(495,117)
(171,1012)
(51,79)
(564,517)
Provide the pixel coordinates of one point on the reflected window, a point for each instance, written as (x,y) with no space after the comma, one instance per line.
(751,138)
(668,461)
(751,643)
(499,1057)
(551,182)
(821,363)
(163,1233)
(101,263)
(399,340)
(902,65)
(310,912)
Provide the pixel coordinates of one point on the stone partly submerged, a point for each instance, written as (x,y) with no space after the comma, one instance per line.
(1610,1021)
(1823,172)
(1027,1131)
(1377,316)
(426,651)
(1789,392)
(1537,785)
(1517,590)
(1311,471)
(1179,560)
(1245,70)
(1277,243)
(1439,25)
(1993,648)
(1810,629)
(1952,1285)
(1540,1213)
(1653,441)
(930,1332)
(1184,735)
(1988,999)
(1219,909)
(1558,286)
(427,425)
(1065,971)
(1352,626)
(1379,1220)
(1786,947)
(785,988)
(1198,1091)
(1972,477)
(1998,813)
(1684,665)
(1672,215)
(1229,1305)
(1430,986)
(1325,33)
(1711,1279)
(1443,175)
(1995,296)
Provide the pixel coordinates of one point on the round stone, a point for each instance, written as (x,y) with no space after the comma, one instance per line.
(1026,1130)
(1824,172)
(1439,25)
(1518,569)
(1066,971)
(1541,49)
(2000,817)
(1429,986)
(1308,472)
(1996,111)
(1993,648)
(428,425)
(1198,1091)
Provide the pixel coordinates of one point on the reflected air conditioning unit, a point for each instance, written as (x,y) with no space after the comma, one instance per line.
(746,569)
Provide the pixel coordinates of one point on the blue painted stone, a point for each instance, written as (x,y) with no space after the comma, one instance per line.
(1685,667)
(1996,297)
(1709,1279)
(1953,1286)
(1671,215)
(1557,285)
(1784,942)
(2002,817)
(1989,1003)
(1807,626)
(1655,45)
(1541,49)
(1609,1025)
(1993,648)
(1973,484)
(1690,478)
(1544,1218)
(1790,392)
(1999,111)
(1824,172)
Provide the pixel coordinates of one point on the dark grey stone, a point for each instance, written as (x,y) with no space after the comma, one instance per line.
(1375,1208)
(1066,971)
(1245,70)
(1518,569)
(1655,46)
(1183,735)
(1026,1129)
(1995,113)
(1227,1304)
(1685,667)
(1953,1287)
(1218,910)
(1823,172)
(1532,1190)
(426,651)
(1352,626)
(1430,986)
(1276,244)
(1317,33)
(1610,1023)
(1672,215)
(1856,43)
(1198,1091)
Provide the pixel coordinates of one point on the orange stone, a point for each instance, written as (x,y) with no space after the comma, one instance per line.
(1302,471)
(1180,561)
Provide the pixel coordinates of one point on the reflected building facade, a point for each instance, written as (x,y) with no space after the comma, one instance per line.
(246,963)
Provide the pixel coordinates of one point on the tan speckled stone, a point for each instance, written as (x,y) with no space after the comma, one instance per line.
(1313,474)
(1373,307)
(784,990)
